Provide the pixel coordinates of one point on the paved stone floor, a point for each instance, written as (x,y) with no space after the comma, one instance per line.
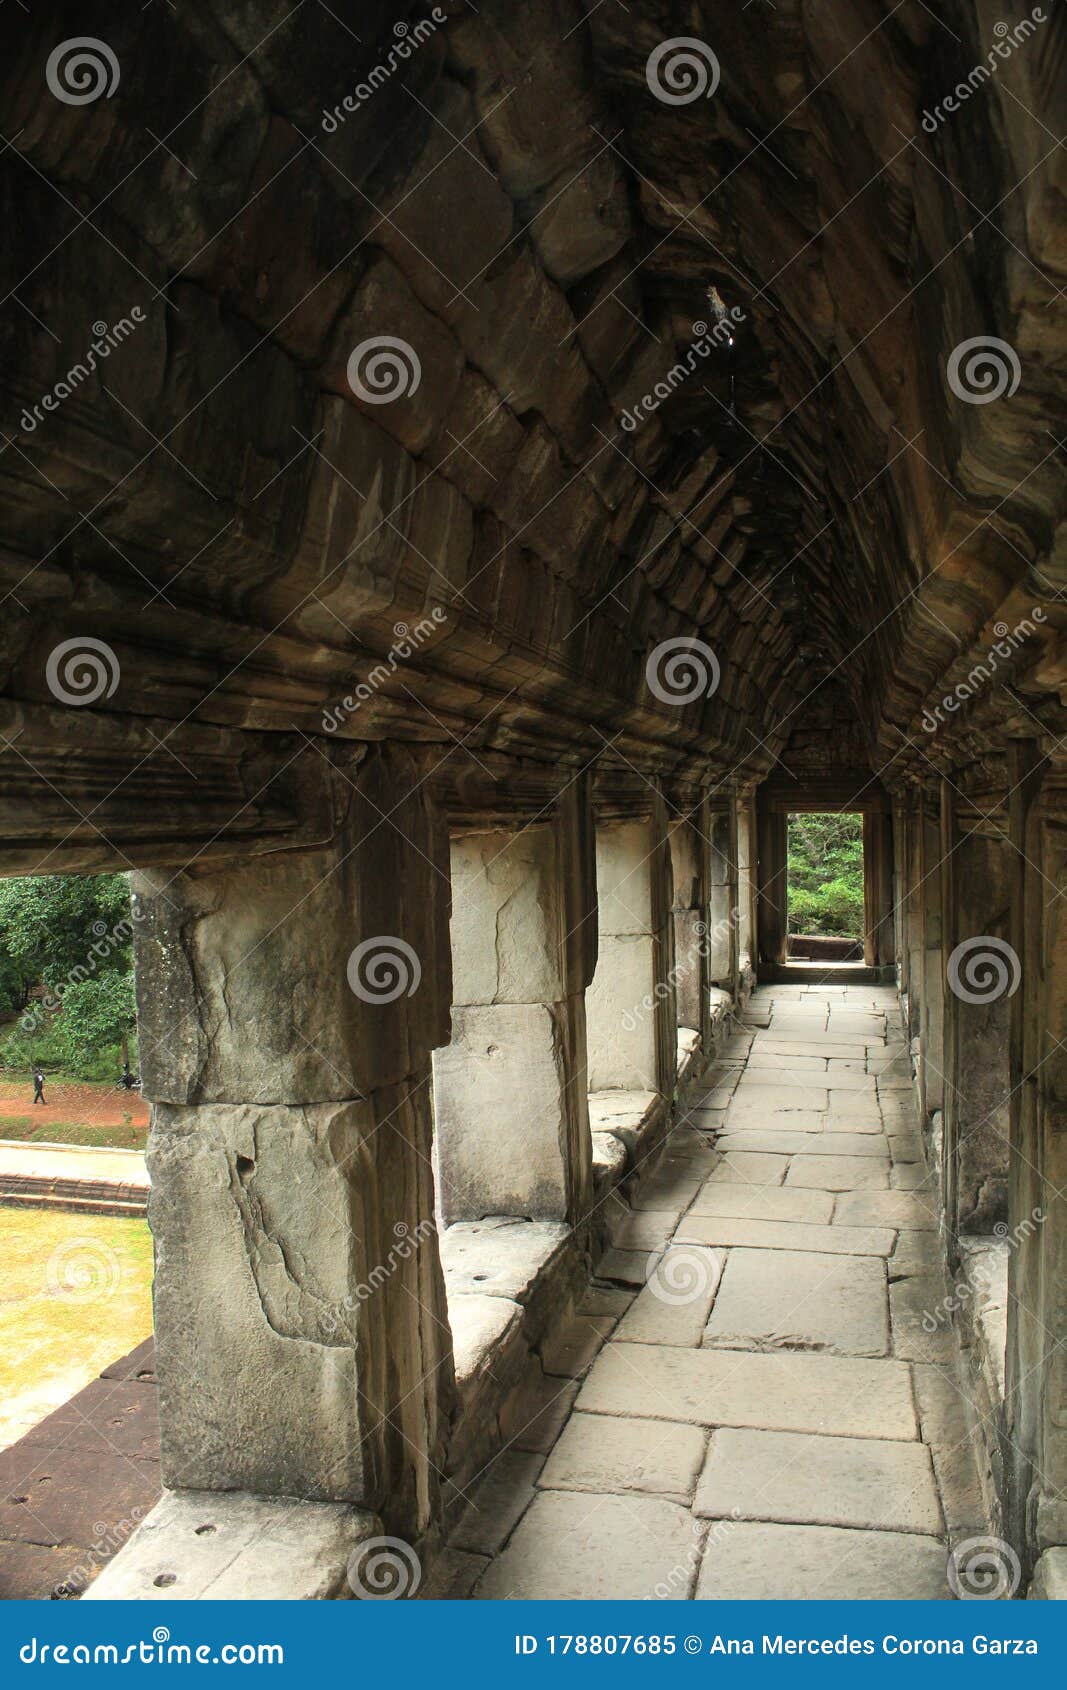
(751,1405)
(75,1487)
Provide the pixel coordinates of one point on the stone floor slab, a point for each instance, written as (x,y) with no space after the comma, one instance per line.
(752,1562)
(914,1176)
(600,1452)
(904,1210)
(742,1116)
(778,1067)
(594,1546)
(627,1267)
(766,1203)
(803,1144)
(854,1124)
(748,1167)
(790,1093)
(921,1319)
(497,1502)
(569,1350)
(723,1232)
(794,1478)
(647,1229)
(799,1300)
(839,1396)
(852,1081)
(838,1173)
(825,1047)
(673,1307)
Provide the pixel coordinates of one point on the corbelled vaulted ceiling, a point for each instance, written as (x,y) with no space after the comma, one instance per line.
(689,292)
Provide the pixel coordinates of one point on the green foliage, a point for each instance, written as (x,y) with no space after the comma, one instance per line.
(70,937)
(826,875)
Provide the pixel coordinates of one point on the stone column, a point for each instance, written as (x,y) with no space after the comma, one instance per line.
(980,976)
(932,1006)
(288,1005)
(900,892)
(1035,1452)
(631,1003)
(746,887)
(511,1090)
(722,901)
(690,849)
(913,905)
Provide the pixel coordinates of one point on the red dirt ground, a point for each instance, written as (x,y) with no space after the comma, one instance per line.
(75,1112)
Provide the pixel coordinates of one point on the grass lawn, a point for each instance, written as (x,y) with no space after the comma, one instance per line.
(75,1294)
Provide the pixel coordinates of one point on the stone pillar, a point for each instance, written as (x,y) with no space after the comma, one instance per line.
(631,1003)
(511,1091)
(722,901)
(772,905)
(913,904)
(900,893)
(746,886)
(288,1004)
(980,976)
(690,849)
(1035,1451)
(932,996)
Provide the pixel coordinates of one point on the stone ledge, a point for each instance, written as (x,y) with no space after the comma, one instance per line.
(984,1265)
(233,1546)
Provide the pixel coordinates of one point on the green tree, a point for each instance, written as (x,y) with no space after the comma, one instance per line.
(826,874)
(66,941)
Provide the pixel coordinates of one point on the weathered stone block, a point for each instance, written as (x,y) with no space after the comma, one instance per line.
(296,1275)
(511,1112)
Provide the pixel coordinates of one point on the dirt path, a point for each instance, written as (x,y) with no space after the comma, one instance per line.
(75,1112)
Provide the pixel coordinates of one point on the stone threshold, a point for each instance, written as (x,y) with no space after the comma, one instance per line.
(231,1546)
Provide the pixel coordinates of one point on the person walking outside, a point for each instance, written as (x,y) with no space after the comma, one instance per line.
(38,1086)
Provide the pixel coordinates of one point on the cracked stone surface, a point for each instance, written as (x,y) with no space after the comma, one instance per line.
(801,1300)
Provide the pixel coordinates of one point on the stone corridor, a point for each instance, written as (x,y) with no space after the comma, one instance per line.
(751,1403)
(469,479)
